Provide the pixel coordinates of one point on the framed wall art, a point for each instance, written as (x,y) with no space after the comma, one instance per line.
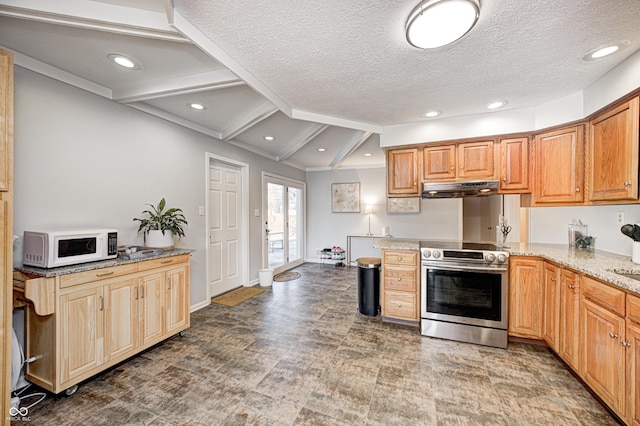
(345,197)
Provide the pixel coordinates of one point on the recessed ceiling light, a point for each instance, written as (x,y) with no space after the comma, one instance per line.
(431,114)
(269,138)
(606,50)
(367,154)
(199,107)
(123,61)
(436,23)
(322,149)
(496,105)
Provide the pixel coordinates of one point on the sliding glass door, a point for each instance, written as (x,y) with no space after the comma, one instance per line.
(283,214)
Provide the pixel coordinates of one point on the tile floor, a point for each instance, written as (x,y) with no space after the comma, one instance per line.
(301,354)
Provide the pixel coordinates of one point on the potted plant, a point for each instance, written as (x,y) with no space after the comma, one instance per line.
(160,226)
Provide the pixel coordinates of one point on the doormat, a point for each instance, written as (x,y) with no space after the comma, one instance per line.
(286,276)
(237,296)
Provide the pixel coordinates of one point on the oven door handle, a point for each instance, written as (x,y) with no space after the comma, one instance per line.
(464,268)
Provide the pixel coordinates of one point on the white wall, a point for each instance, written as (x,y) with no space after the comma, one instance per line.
(85,161)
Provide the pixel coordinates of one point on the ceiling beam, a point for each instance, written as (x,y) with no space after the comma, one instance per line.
(250,119)
(350,148)
(174,119)
(95,16)
(212,80)
(307,137)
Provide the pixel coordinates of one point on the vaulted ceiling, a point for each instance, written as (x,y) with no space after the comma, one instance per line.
(328,75)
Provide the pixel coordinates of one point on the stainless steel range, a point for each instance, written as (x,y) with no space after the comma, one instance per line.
(465,288)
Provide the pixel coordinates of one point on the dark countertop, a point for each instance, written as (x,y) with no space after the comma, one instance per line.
(90,266)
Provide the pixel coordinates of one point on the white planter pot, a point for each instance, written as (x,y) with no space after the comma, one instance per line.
(159,239)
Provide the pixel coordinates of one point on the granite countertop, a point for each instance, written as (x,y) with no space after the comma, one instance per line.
(90,266)
(599,264)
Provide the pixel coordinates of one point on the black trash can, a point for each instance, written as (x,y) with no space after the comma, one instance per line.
(369,286)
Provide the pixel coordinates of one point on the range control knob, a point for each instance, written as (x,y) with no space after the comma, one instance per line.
(436,254)
(502,258)
(490,257)
(426,253)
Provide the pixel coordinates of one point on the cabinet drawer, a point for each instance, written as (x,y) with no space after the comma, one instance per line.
(165,261)
(606,296)
(633,308)
(97,275)
(398,304)
(402,279)
(404,257)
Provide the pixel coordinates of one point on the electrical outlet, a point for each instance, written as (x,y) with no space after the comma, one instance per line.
(620,218)
(318,252)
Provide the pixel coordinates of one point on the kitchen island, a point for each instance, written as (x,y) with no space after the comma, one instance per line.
(82,319)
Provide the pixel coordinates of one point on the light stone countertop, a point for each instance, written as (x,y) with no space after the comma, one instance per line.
(599,264)
(90,266)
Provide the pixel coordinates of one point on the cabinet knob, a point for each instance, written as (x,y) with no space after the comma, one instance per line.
(462,167)
(613,336)
(625,344)
(577,189)
(504,179)
(399,305)
(399,259)
(415,184)
(627,184)
(553,278)
(453,168)
(571,286)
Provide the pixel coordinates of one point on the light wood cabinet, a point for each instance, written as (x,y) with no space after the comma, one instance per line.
(514,165)
(613,154)
(551,309)
(632,348)
(569,318)
(6,228)
(400,285)
(558,175)
(526,292)
(402,172)
(459,161)
(102,322)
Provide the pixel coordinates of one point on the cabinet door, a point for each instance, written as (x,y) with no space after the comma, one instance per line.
(613,154)
(439,162)
(475,160)
(551,327)
(402,171)
(121,318)
(559,166)
(514,165)
(632,347)
(525,298)
(81,329)
(6,118)
(152,297)
(603,355)
(569,339)
(177,300)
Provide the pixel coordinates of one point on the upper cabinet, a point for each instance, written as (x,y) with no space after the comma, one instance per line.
(613,154)
(514,165)
(559,166)
(402,172)
(459,161)
(6,110)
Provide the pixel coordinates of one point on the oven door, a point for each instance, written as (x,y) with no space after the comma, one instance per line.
(474,296)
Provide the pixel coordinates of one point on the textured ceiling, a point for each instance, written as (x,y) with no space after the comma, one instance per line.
(350,59)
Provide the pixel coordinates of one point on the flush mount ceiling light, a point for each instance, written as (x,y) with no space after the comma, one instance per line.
(198,107)
(269,138)
(367,154)
(432,114)
(496,105)
(436,23)
(606,50)
(322,149)
(123,61)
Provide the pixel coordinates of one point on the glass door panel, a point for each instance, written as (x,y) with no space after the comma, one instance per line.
(275,225)
(294,223)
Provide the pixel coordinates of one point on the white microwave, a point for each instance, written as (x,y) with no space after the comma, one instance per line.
(50,249)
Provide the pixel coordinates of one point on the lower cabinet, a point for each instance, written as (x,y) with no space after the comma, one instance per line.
(400,291)
(551,309)
(100,323)
(632,347)
(526,292)
(569,317)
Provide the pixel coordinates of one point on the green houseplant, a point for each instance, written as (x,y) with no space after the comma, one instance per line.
(161,225)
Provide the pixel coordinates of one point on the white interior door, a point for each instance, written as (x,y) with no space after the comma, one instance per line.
(225,228)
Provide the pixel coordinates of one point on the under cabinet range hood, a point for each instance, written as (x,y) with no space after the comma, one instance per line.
(460,189)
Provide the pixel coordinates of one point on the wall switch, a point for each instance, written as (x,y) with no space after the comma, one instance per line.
(201,210)
(256,212)
(620,218)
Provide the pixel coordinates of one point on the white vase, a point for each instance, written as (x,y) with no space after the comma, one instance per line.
(159,239)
